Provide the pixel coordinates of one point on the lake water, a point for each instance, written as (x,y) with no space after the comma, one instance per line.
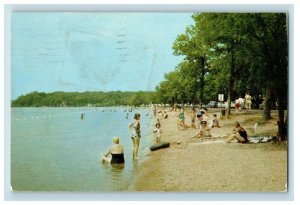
(52,149)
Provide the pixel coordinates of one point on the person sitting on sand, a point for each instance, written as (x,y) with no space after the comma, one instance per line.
(215,121)
(157,130)
(115,155)
(206,117)
(199,119)
(204,131)
(238,133)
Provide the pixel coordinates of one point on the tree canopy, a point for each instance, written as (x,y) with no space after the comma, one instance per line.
(231,54)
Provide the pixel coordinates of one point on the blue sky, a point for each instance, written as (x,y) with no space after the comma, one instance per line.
(93,51)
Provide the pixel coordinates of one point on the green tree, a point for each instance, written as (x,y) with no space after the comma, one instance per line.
(224,34)
(269,31)
(171,89)
(191,45)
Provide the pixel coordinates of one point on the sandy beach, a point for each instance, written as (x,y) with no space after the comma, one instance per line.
(191,165)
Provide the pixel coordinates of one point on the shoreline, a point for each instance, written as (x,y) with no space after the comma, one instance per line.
(212,165)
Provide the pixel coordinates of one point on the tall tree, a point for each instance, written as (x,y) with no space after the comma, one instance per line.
(195,51)
(237,52)
(223,34)
(268,33)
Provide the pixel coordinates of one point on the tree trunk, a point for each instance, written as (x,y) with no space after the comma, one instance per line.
(229,92)
(230,85)
(267,105)
(282,126)
(286,126)
(201,83)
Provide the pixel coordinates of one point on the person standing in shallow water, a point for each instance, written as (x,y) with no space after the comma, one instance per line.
(136,135)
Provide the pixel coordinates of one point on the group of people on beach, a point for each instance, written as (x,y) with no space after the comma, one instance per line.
(203,121)
(199,120)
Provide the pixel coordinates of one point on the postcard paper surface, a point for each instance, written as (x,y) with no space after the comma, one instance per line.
(109,101)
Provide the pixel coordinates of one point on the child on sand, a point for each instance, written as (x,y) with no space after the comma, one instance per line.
(204,132)
(157,130)
(206,117)
(181,119)
(199,119)
(215,121)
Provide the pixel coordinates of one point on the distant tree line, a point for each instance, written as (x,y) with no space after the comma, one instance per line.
(76,99)
(231,54)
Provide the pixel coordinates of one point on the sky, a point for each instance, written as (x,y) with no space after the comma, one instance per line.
(65,51)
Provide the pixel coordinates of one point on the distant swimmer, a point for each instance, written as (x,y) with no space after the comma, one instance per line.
(82,116)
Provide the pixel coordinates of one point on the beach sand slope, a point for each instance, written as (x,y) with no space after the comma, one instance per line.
(191,165)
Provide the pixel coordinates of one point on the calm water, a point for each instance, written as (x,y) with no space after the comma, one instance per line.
(53,149)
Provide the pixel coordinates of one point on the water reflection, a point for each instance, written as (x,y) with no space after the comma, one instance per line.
(135,166)
(117,167)
(114,178)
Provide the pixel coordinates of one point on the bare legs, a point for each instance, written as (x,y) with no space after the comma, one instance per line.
(235,136)
(193,125)
(136,144)
(181,124)
(248,106)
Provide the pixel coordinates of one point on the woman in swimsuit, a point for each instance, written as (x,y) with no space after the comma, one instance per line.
(115,155)
(239,133)
(136,135)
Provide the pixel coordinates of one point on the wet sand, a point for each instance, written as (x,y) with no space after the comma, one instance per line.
(191,165)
